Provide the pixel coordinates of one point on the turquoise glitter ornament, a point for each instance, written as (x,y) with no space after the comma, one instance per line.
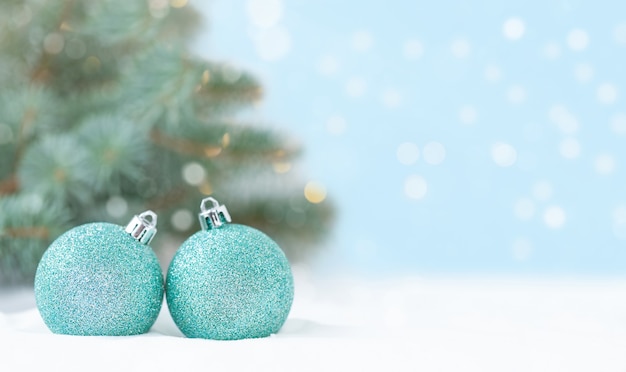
(101,279)
(228,281)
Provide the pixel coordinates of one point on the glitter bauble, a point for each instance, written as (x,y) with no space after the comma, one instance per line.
(229,282)
(100,280)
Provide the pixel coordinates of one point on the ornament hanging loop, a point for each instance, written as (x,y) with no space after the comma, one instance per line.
(143,227)
(214,217)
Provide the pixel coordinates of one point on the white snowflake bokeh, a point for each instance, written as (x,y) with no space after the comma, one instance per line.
(491,140)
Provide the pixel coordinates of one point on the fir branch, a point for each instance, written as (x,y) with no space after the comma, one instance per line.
(226,141)
(221,92)
(201,149)
(30,114)
(56,167)
(40,73)
(116,148)
(28,223)
(184,146)
(9,185)
(122,110)
(35,232)
(223,88)
(21,109)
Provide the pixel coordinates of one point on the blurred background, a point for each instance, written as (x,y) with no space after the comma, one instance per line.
(448,173)
(106,110)
(455,137)
(374,139)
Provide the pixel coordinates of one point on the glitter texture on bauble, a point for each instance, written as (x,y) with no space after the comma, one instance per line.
(228,281)
(99,279)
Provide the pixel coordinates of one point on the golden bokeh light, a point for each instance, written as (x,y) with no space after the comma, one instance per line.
(178,3)
(65,27)
(53,43)
(212,151)
(206,188)
(206,76)
(225,140)
(281,166)
(92,64)
(315,192)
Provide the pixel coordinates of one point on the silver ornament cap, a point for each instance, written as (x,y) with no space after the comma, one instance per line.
(143,227)
(214,217)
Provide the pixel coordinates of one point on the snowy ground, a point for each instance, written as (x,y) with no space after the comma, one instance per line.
(404,324)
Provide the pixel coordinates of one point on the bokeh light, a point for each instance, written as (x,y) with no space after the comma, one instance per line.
(356,87)
(524,209)
(554,217)
(618,123)
(264,13)
(413,50)
(193,173)
(577,39)
(116,206)
(607,93)
(604,164)
(273,44)
(468,114)
(408,153)
(415,187)
(514,28)
(315,192)
(503,154)
(569,148)
(460,48)
(512,122)
(182,220)
(434,153)
(362,41)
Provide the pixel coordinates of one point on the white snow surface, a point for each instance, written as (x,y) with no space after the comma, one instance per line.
(349,324)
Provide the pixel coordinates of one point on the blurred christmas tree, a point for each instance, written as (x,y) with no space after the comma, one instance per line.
(104,113)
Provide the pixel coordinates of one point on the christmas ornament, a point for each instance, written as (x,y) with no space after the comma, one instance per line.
(228,281)
(101,279)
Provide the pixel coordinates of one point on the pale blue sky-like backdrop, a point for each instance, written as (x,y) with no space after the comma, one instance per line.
(454,136)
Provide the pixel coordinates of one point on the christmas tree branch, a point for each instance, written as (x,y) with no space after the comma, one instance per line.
(9,185)
(202,149)
(30,114)
(109,113)
(40,73)
(184,146)
(226,93)
(30,232)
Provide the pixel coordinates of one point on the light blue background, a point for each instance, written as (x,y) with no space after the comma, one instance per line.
(544,94)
